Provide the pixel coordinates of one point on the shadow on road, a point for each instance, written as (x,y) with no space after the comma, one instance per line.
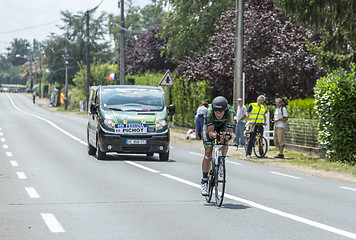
(134,158)
(230,206)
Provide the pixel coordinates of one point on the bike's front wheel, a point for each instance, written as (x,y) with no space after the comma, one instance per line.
(220,180)
(211,180)
(260,147)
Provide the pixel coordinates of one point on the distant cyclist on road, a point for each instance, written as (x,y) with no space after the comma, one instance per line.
(219,119)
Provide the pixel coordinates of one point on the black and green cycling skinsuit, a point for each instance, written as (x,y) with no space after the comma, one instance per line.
(219,125)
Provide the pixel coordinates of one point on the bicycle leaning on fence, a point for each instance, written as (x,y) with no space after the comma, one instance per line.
(217,172)
(259,144)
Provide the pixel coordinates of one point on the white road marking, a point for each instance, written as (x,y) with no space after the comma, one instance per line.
(285,175)
(52,223)
(49,122)
(236,163)
(21,175)
(181,180)
(347,188)
(5,146)
(1,134)
(2,139)
(273,211)
(198,154)
(253,204)
(9,154)
(142,167)
(14,163)
(32,192)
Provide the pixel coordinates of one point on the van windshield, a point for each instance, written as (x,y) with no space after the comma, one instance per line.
(132,99)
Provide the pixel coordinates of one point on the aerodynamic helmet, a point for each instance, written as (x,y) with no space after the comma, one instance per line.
(219,104)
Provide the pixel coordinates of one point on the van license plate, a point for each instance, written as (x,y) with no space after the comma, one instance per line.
(136,141)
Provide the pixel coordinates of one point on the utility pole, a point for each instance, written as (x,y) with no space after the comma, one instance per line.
(122,44)
(88,59)
(31,79)
(237,91)
(66,76)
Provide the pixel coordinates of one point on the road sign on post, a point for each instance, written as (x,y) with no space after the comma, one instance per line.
(167,80)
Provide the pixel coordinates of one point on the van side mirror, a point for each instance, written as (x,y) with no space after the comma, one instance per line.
(93,108)
(171,110)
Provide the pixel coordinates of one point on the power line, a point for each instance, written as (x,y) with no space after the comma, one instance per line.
(30,27)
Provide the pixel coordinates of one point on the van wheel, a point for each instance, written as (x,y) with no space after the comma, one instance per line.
(149,154)
(91,149)
(99,154)
(164,156)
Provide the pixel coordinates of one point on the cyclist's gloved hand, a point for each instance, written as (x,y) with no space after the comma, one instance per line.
(227,136)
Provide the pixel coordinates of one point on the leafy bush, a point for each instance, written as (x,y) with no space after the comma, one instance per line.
(186,98)
(335,99)
(99,73)
(276,59)
(302,109)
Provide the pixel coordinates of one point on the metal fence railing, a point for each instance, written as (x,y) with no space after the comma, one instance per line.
(302,132)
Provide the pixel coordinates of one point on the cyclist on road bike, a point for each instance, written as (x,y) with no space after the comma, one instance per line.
(255,116)
(219,120)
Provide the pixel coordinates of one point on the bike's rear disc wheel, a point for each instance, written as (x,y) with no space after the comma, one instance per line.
(260,147)
(220,180)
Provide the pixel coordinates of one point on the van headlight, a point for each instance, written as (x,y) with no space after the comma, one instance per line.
(160,124)
(109,123)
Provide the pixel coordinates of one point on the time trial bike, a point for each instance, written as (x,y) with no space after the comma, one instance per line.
(217,172)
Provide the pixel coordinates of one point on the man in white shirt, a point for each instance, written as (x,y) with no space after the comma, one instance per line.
(280,118)
(240,125)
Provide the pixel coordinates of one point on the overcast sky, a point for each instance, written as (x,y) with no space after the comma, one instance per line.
(21,18)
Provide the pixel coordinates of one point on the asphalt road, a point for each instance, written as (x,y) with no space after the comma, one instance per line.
(50,188)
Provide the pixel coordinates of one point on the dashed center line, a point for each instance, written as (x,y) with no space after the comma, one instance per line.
(142,167)
(21,175)
(52,223)
(285,175)
(9,154)
(14,163)
(32,192)
(198,154)
(347,188)
(236,163)
(2,139)
(1,134)
(5,146)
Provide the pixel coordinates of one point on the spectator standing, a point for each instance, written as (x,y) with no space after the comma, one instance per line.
(280,118)
(256,115)
(34,97)
(199,119)
(241,115)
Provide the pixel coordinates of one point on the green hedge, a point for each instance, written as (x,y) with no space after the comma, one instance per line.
(187,97)
(335,98)
(302,109)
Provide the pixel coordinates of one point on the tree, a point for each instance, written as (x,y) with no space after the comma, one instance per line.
(189,24)
(276,59)
(100,72)
(18,46)
(143,53)
(136,20)
(335,21)
(75,36)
